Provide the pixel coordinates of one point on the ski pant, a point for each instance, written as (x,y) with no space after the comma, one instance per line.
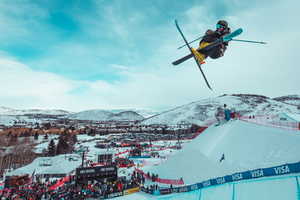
(215,52)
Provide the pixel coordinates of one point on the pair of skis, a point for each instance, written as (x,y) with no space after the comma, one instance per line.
(226,38)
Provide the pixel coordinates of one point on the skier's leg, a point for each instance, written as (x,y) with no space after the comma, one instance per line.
(200,56)
(215,52)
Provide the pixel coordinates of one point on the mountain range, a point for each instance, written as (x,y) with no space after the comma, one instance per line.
(195,112)
(246,104)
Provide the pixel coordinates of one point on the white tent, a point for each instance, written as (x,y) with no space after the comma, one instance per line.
(56,165)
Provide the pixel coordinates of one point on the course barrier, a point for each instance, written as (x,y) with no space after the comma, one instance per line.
(120,153)
(59,183)
(291,168)
(161,180)
(269,121)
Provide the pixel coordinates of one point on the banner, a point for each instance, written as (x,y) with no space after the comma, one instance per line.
(251,174)
(161,180)
(131,191)
(115,194)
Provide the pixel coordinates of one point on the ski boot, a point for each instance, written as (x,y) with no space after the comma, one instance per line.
(199,56)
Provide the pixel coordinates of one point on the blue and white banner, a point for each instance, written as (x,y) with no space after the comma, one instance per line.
(251,174)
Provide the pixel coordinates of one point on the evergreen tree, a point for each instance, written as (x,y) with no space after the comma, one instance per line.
(51,148)
(36,136)
(62,146)
(74,139)
(47,126)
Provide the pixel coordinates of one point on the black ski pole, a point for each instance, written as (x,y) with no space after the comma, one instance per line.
(191,42)
(250,41)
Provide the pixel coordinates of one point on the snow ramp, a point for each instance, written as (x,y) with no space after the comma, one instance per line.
(245,146)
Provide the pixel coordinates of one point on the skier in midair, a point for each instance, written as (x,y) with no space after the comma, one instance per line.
(211,36)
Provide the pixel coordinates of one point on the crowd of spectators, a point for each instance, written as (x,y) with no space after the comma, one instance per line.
(100,189)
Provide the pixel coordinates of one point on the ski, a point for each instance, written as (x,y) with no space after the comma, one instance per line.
(226,38)
(198,64)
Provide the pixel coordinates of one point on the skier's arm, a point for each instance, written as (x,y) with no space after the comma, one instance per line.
(226,31)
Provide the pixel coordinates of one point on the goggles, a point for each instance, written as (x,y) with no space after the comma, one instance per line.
(218,26)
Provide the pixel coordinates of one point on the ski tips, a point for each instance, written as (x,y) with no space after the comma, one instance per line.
(176,22)
(239,31)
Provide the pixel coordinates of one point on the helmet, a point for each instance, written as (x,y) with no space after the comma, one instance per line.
(222,24)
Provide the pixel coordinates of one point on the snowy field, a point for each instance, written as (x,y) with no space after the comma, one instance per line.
(61,164)
(245,146)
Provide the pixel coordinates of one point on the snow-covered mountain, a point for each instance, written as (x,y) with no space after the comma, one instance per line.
(11,111)
(143,112)
(196,112)
(105,115)
(289,99)
(200,111)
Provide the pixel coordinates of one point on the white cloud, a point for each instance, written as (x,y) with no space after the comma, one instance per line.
(21,86)
(270,69)
(18,19)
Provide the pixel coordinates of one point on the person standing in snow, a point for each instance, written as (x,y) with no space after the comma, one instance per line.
(227,113)
(222,158)
(219,115)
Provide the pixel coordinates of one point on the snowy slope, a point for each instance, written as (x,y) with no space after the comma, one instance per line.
(60,164)
(200,111)
(143,112)
(9,120)
(104,115)
(10,111)
(289,99)
(245,146)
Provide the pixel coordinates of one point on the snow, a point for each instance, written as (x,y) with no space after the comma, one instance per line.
(143,196)
(43,144)
(105,115)
(61,164)
(141,111)
(196,112)
(7,120)
(296,117)
(245,146)
(200,112)
(289,99)
(11,111)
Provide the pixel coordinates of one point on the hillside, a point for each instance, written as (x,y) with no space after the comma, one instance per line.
(105,115)
(289,99)
(200,111)
(11,111)
(197,112)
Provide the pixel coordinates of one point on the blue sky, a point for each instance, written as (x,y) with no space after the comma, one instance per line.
(87,54)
